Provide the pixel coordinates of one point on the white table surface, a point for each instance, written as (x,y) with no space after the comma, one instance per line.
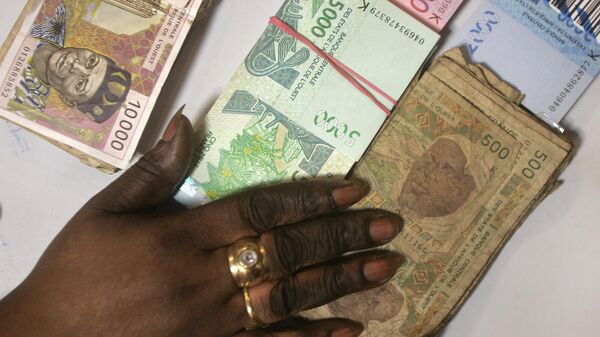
(544,283)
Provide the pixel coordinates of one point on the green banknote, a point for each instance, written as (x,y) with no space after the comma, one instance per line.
(288,114)
(463,165)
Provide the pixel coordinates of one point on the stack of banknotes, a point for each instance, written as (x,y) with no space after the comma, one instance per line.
(435,14)
(463,164)
(458,157)
(549,50)
(86,74)
(310,96)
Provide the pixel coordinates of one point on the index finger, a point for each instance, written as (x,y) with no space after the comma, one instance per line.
(256,211)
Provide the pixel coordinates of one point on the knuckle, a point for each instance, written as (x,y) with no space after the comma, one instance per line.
(148,166)
(292,248)
(343,235)
(182,295)
(335,281)
(306,204)
(264,209)
(347,232)
(312,199)
(175,241)
(148,170)
(259,209)
(285,298)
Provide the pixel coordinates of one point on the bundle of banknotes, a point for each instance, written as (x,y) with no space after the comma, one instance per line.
(463,164)
(458,156)
(548,50)
(86,74)
(310,96)
(435,14)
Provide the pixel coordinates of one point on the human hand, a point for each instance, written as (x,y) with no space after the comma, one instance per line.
(119,268)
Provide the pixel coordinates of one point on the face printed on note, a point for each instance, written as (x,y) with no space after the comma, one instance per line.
(438,183)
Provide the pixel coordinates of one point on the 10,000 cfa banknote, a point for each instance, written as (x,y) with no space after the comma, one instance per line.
(463,165)
(86,74)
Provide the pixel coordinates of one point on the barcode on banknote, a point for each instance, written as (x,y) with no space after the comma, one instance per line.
(585,13)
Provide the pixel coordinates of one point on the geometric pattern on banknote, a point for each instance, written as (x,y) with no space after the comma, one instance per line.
(58,23)
(318,158)
(271,54)
(316,4)
(53,27)
(262,150)
(129,51)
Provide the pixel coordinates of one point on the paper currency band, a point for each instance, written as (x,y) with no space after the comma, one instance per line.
(349,74)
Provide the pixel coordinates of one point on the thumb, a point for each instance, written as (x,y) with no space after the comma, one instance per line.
(154,178)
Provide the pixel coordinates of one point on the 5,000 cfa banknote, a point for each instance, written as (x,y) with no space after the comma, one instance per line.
(86,73)
(288,114)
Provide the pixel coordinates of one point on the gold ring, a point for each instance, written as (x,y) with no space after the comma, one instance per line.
(256,323)
(247,262)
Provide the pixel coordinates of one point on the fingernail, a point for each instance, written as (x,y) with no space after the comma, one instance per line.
(350,193)
(384,228)
(173,125)
(347,332)
(382,269)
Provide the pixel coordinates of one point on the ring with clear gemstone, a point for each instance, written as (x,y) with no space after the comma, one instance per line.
(248,258)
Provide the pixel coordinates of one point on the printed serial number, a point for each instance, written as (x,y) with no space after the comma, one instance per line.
(571,84)
(406,31)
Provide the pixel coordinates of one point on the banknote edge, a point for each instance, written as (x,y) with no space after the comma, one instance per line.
(530,116)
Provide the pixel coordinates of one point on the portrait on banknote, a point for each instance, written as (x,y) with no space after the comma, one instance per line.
(443,169)
(439,181)
(87,81)
(86,69)
(378,305)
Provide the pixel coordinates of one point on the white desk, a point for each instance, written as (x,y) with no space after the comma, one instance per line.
(545,282)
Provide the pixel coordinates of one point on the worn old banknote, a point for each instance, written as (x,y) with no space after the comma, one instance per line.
(434,13)
(290,113)
(85,74)
(463,164)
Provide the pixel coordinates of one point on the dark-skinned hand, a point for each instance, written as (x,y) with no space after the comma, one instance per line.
(119,268)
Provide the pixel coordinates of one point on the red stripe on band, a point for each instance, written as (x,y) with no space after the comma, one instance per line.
(342,69)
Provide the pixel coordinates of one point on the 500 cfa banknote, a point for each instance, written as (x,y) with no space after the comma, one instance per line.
(288,114)
(463,165)
(87,73)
